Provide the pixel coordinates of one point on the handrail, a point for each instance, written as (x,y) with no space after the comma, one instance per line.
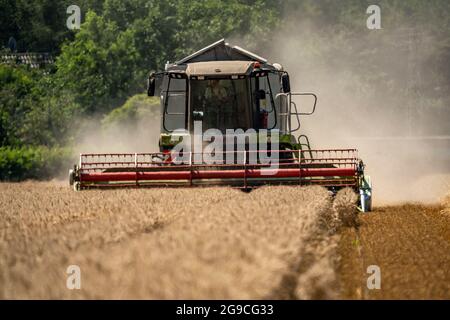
(288,106)
(306,94)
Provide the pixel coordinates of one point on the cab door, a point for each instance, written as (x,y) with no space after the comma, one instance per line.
(174,104)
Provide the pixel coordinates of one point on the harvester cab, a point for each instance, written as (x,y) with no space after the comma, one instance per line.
(241,105)
(227,96)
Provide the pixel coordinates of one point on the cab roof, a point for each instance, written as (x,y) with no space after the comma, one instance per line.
(219,68)
(220,51)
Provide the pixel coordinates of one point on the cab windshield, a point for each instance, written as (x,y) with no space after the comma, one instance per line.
(221,104)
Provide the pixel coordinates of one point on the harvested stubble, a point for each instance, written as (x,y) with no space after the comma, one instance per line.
(446,204)
(276,242)
(411,245)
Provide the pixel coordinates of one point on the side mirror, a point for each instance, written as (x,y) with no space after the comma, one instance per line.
(151,85)
(260,95)
(285,83)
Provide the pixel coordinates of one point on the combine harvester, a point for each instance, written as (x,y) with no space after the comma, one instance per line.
(229,90)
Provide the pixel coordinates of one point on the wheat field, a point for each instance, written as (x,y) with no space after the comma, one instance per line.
(214,243)
(409,242)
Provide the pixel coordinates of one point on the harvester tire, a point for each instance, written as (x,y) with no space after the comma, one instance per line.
(71,177)
(76,186)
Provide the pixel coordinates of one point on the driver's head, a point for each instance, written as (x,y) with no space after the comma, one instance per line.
(214,82)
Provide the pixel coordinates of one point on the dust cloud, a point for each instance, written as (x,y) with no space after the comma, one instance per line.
(121,137)
(400,124)
(380,91)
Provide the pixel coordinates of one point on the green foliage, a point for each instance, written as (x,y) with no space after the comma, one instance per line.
(137,108)
(113,52)
(99,67)
(36,25)
(105,63)
(32,162)
(32,111)
(203,22)
(51,122)
(39,25)
(16,100)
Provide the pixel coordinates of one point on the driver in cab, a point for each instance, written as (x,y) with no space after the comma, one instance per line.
(218,110)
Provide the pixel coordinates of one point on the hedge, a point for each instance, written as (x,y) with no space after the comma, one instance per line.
(33,162)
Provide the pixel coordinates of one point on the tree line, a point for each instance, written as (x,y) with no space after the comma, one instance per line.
(107,61)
